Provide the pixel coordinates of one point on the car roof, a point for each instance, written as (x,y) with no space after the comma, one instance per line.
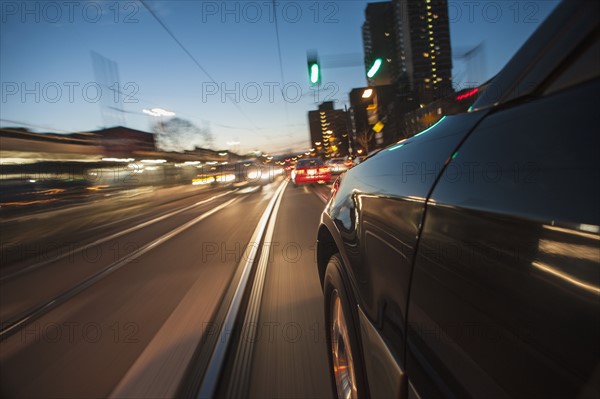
(308,160)
(571,22)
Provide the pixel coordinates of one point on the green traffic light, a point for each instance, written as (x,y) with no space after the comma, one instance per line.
(314,73)
(375,68)
(314,68)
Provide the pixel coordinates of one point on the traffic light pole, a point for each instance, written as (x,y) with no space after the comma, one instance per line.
(348,131)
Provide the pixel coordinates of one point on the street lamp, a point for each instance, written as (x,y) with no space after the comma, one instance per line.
(369,98)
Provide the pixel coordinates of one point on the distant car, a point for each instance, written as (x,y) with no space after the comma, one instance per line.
(239,174)
(464,262)
(310,170)
(339,165)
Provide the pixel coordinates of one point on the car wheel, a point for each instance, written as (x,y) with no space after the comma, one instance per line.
(341,322)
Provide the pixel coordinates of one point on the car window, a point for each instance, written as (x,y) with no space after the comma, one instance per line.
(306,163)
(584,66)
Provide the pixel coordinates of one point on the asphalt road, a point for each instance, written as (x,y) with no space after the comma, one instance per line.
(290,358)
(124,316)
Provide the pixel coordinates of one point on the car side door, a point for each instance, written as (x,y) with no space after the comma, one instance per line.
(505,295)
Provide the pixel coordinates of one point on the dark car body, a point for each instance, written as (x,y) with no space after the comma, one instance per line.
(469,254)
(358,160)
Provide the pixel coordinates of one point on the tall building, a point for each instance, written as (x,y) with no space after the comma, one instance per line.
(379,42)
(329,130)
(412,39)
(423,48)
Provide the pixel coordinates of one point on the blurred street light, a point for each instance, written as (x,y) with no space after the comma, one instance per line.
(158,112)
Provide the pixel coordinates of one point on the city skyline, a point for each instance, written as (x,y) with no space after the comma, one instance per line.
(44,53)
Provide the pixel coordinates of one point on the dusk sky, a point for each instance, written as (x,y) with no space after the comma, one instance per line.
(46,49)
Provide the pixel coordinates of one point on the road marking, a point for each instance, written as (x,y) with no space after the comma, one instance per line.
(243,359)
(13,325)
(321,196)
(211,376)
(110,237)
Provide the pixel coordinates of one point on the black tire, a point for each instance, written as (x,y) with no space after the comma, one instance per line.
(334,285)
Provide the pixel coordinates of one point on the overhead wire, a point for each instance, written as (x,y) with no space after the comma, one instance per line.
(191,56)
(285,104)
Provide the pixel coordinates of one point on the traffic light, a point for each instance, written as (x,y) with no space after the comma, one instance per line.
(314,70)
(374,68)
